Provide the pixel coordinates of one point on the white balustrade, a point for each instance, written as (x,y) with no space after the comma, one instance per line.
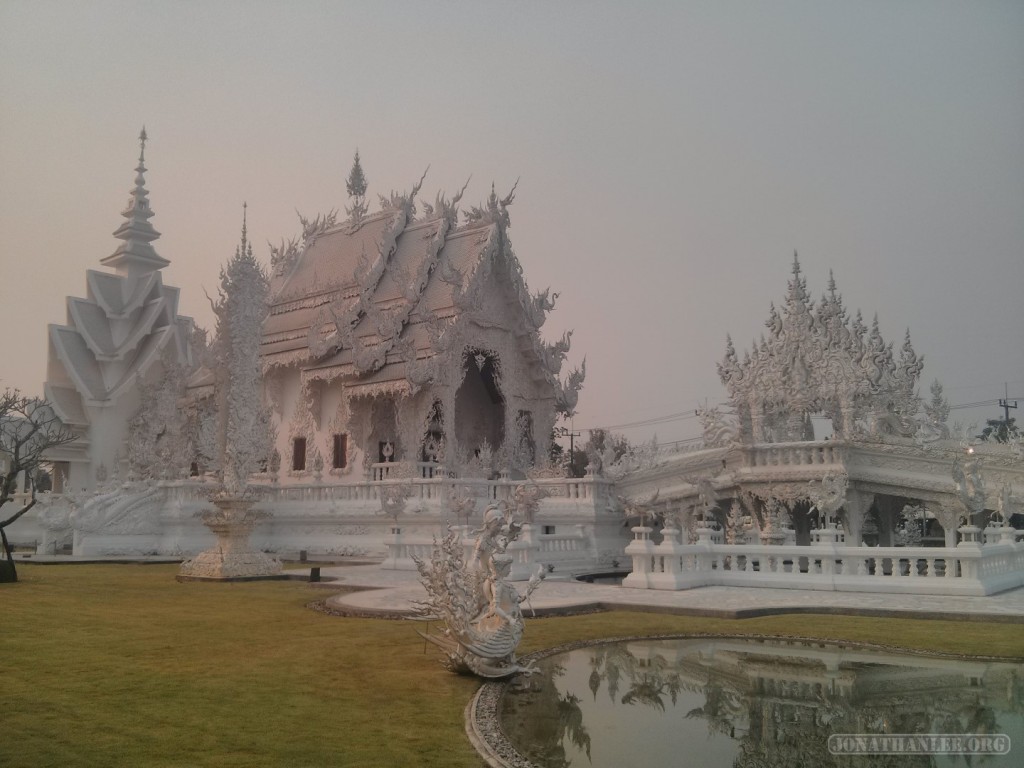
(529,552)
(969,569)
(812,454)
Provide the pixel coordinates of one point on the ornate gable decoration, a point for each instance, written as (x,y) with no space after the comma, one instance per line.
(815,360)
(388,296)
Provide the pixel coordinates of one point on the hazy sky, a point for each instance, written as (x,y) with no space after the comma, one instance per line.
(671,158)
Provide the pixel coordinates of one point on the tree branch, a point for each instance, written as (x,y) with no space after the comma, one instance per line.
(18,514)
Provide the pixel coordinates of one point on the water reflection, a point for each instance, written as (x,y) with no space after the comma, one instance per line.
(726,702)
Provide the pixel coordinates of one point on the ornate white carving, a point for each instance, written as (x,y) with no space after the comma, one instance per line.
(127,510)
(828,495)
(970,487)
(526,501)
(542,305)
(157,436)
(814,360)
(636,459)
(567,393)
(719,430)
(644,509)
(394,498)
(245,432)
(908,527)
(232,557)
(480,609)
(283,257)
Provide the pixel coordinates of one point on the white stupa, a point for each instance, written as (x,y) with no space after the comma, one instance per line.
(116,335)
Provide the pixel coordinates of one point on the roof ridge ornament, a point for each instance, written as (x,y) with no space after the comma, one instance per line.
(356,186)
(495,211)
(241,250)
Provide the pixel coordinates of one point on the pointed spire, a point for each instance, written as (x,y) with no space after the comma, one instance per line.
(797,298)
(355,185)
(136,254)
(240,251)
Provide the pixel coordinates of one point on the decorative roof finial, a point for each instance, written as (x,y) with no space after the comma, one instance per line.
(245,235)
(355,184)
(796,263)
(136,254)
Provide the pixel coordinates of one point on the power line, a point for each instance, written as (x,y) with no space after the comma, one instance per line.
(681,416)
(686,415)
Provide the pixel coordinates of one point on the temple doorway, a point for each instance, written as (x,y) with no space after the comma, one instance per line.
(479,404)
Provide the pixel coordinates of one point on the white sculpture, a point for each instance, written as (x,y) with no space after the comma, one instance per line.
(244,435)
(478,606)
(718,431)
(526,501)
(393,501)
(828,496)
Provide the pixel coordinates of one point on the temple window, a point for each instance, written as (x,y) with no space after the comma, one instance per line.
(299,454)
(340,460)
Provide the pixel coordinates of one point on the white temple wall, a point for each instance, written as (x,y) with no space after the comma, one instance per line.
(287,405)
(575,527)
(414,411)
(108,430)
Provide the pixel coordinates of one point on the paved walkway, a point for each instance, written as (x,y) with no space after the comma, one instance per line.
(389,592)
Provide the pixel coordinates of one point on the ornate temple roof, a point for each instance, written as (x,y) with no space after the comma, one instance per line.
(370,298)
(124,323)
(814,359)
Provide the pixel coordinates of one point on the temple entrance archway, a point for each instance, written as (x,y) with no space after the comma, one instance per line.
(479,403)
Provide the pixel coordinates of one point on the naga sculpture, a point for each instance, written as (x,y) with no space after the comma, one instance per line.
(479,609)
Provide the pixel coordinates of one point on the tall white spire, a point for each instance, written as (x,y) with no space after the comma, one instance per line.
(136,253)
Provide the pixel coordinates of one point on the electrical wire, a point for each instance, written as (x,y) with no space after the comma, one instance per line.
(686,415)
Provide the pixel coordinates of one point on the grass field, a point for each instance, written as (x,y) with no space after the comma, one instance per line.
(120,665)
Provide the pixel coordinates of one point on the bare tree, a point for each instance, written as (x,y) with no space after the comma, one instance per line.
(28,428)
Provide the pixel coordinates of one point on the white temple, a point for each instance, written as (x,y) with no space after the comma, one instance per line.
(402,359)
(411,340)
(406,386)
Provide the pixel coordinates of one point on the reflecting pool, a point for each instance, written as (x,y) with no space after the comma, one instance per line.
(740,702)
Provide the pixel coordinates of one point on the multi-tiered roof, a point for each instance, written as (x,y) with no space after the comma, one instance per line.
(815,360)
(123,325)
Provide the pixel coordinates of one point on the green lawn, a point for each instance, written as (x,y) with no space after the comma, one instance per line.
(120,665)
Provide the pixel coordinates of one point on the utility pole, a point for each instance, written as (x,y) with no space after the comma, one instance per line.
(1004,403)
(572,434)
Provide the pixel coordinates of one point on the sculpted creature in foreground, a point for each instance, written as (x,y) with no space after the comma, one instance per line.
(475,601)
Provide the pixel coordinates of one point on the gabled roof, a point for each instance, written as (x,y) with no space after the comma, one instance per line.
(370,300)
(358,291)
